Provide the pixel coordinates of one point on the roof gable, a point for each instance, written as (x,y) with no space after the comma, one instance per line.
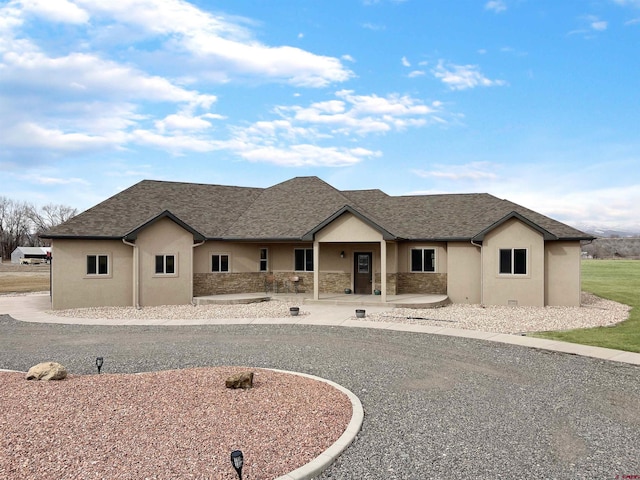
(311,233)
(545,233)
(133,234)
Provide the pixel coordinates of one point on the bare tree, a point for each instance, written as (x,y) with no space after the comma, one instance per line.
(49,216)
(21,223)
(14,225)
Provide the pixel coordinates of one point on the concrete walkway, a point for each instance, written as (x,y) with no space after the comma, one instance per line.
(32,308)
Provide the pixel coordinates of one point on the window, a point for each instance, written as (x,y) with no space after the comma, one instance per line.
(165,264)
(423,260)
(264,262)
(303,259)
(97,265)
(513,261)
(219,262)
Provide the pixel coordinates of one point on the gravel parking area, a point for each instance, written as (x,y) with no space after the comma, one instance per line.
(435,407)
(594,312)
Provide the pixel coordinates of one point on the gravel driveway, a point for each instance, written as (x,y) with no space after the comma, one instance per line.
(435,407)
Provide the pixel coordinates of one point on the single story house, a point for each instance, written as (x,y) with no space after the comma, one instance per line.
(30,254)
(159,243)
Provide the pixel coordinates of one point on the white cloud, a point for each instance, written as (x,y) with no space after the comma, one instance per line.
(41,180)
(306,155)
(361,114)
(596,24)
(599,25)
(181,121)
(223,47)
(631,3)
(56,10)
(462,77)
(475,171)
(592,24)
(405,62)
(374,27)
(416,73)
(297,137)
(496,6)
(70,99)
(80,73)
(28,135)
(568,196)
(177,144)
(607,207)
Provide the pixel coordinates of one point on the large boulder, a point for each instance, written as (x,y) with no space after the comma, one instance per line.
(240,380)
(47,371)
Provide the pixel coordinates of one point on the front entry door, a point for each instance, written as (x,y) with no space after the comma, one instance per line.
(362,273)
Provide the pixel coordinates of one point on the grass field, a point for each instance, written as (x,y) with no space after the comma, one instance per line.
(617,280)
(23,278)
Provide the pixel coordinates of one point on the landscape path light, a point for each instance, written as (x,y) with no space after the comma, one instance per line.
(237,460)
(99,362)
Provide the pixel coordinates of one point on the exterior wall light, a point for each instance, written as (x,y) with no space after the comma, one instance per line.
(99,362)
(342,254)
(237,460)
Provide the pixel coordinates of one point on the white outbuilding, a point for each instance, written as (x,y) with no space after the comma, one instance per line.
(30,254)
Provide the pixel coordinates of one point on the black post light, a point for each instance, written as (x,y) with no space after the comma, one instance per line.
(237,460)
(99,362)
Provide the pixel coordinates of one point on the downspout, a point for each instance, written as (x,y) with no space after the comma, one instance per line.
(136,273)
(193,247)
(481,271)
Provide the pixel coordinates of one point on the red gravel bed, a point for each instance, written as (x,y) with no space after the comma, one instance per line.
(179,424)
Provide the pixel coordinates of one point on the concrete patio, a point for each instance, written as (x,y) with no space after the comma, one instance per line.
(393,301)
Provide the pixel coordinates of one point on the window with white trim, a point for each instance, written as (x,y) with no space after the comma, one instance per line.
(303,259)
(98,264)
(219,262)
(513,261)
(423,260)
(165,265)
(264,260)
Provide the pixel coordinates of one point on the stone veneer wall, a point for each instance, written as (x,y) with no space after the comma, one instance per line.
(392,283)
(433,283)
(334,282)
(251,282)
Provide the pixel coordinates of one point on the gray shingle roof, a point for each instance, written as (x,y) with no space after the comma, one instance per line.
(291,209)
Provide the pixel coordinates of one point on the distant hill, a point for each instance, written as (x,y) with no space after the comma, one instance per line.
(607,232)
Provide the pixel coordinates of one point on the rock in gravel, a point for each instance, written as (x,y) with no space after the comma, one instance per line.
(240,380)
(47,371)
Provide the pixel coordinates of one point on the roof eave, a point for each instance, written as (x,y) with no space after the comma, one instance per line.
(258,239)
(81,237)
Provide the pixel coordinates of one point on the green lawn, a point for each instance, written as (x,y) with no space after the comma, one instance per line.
(617,280)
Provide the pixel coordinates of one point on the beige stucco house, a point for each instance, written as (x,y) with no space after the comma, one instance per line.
(160,243)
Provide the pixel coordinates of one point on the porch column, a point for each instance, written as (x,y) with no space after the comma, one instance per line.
(316,270)
(383,270)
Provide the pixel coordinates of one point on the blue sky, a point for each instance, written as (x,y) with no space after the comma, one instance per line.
(537,101)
